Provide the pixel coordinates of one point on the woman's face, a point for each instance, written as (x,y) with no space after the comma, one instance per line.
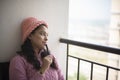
(39,37)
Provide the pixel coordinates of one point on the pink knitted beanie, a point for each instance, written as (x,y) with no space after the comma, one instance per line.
(28,25)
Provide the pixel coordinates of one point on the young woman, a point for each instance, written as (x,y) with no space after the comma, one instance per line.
(34,61)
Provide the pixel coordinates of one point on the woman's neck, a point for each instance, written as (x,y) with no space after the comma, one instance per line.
(37,50)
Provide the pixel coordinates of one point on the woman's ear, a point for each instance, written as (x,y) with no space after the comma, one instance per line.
(30,37)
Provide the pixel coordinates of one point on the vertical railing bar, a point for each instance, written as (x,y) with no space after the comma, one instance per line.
(78,69)
(107,73)
(91,75)
(67,62)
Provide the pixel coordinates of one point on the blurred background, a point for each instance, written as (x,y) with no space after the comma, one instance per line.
(89,21)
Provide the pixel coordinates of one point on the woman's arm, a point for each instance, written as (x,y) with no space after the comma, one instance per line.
(17,69)
(60,75)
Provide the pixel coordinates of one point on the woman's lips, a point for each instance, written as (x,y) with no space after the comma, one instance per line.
(44,43)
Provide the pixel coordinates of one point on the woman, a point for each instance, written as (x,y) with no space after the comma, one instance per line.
(34,61)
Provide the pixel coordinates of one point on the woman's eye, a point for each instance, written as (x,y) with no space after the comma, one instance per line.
(41,33)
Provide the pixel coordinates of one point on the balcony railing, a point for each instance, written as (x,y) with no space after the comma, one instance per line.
(89,46)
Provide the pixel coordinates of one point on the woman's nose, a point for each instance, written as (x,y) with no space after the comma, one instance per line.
(46,38)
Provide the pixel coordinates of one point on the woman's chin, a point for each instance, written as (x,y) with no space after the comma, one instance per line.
(42,47)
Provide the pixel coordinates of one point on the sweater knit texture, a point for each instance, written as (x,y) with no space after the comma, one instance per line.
(20,69)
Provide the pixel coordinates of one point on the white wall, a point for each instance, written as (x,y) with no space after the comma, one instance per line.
(12,12)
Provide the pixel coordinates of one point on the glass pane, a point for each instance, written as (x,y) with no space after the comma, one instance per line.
(89,20)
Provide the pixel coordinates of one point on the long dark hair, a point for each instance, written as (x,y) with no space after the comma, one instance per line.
(28,53)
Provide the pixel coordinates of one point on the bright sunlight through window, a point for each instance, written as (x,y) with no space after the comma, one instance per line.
(89,20)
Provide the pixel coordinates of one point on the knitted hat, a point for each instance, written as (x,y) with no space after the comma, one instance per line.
(28,25)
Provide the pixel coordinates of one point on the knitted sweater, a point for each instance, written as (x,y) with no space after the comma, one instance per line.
(20,69)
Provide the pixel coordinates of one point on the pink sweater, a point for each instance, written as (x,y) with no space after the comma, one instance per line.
(20,69)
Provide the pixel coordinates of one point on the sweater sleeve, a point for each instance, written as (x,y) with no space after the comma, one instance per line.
(17,69)
(60,75)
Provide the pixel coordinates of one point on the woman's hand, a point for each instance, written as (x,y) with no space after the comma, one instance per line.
(46,63)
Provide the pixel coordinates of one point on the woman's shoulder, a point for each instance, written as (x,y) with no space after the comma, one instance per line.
(18,58)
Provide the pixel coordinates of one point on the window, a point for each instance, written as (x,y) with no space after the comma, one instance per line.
(89,20)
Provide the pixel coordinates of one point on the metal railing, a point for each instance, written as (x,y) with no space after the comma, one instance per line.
(89,46)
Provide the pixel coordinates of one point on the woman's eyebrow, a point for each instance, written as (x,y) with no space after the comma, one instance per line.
(44,32)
